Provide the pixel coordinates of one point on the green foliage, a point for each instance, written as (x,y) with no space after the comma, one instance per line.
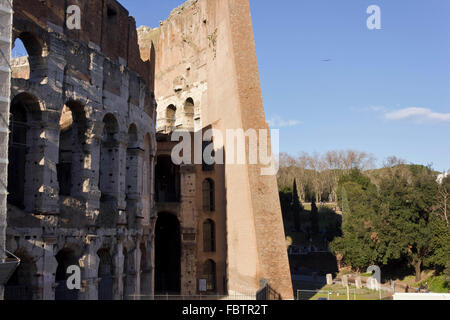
(296,206)
(359,244)
(437,284)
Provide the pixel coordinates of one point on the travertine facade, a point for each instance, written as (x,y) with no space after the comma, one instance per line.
(5,75)
(81,154)
(91,181)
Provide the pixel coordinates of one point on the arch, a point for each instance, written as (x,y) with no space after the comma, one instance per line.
(33,64)
(209,236)
(167,254)
(66,257)
(73,124)
(208,195)
(109,172)
(167,180)
(23,282)
(105,275)
(189,110)
(209,273)
(171,114)
(25,108)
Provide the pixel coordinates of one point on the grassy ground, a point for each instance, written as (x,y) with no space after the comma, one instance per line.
(337,292)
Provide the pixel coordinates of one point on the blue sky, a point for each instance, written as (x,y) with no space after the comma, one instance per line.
(386,91)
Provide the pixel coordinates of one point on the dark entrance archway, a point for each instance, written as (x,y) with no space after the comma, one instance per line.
(105,275)
(167,255)
(65,259)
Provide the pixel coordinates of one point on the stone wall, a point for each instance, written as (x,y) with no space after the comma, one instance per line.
(5,56)
(83,147)
(205,51)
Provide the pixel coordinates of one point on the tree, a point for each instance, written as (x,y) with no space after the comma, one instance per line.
(359,243)
(404,225)
(296,206)
(442,207)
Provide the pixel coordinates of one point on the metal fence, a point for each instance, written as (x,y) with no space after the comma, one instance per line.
(193,297)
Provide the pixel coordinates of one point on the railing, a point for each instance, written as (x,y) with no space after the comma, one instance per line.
(6,4)
(8,266)
(267,293)
(169,297)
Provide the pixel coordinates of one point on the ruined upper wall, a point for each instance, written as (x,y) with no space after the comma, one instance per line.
(105,24)
(206,51)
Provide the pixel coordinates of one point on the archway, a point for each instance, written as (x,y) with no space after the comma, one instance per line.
(208,195)
(189,110)
(209,236)
(109,172)
(167,180)
(167,255)
(65,259)
(209,273)
(71,140)
(24,110)
(105,275)
(28,56)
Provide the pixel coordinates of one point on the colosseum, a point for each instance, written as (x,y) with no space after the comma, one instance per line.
(86,161)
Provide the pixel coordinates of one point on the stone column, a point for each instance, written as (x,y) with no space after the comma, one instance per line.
(118,273)
(90,170)
(189,225)
(120,177)
(134,181)
(132,289)
(46,269)
(89,267)
(41,185)
(147,285)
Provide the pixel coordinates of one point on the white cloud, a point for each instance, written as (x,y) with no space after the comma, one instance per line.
(278,122)
(418,114)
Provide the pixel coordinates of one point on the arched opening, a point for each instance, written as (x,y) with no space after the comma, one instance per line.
(189,110)
(24,110)
(209,274)
(105,275)
(28,55)
(209,236)
(167,255)
(22,283)
(109,172)
(71,139)
(125,289)
(171,119)
(208,195)
(146,273)
(65,259)
(167,180)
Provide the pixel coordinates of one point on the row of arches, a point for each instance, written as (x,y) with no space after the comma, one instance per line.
(23,284)
(26,139)
(180,118)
